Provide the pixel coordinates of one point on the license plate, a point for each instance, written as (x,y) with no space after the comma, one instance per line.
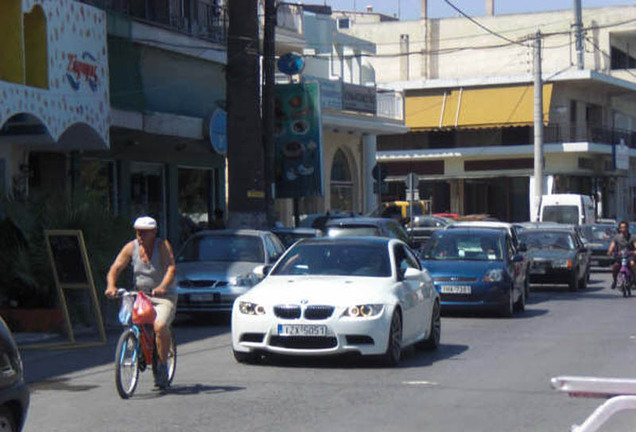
(455,289)
(203,298)
(538,270)
(302,330)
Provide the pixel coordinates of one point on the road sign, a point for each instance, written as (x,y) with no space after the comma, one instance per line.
(380,171)
(412,181)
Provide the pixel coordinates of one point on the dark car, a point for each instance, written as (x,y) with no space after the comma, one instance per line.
(289,236)
(14,395)
(367,226)
(318,220)
(423,226)
(599,237)
(476,268)
(557,256)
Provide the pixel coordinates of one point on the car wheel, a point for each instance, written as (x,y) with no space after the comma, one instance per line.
(574,281)
(245,357)
(7,420)
(520,305)
(432,341)
(394,346)
(507,308)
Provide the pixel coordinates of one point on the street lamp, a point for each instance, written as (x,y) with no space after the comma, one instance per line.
(268,104)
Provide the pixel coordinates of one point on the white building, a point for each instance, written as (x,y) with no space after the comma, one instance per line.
(469,103)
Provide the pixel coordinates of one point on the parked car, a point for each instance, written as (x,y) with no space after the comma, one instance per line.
(599,237)
(325,296)
(476,268)
(14,394)
(423,226)
(557,256)
(367,226)
(289,236)
(215,267)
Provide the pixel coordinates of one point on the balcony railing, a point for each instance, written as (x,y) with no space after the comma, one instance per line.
(205,19)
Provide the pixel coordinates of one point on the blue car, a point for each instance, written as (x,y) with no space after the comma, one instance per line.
(476,269)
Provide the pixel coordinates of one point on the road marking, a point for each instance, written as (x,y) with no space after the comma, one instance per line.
(428,383)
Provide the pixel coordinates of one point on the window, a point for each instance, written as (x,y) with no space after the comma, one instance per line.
(343,23)
(341,183)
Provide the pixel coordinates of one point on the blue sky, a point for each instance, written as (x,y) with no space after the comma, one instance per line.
(410,9)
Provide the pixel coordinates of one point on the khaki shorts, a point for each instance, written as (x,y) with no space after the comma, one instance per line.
(165,308)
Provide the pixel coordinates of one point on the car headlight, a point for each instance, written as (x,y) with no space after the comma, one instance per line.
(246,280)
(249,308)
(493,275)
(563,263)
(364,311)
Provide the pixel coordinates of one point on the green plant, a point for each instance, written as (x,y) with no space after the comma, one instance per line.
(26,277)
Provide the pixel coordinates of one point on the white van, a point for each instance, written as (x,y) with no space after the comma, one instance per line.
(567,208)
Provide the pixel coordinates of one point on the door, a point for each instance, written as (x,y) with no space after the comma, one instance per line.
(414,312)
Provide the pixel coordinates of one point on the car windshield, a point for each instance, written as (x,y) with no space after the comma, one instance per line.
(223,248)
(469,246)
(561,214)
(599,233)
(537,239)
(338,231)
(333,259)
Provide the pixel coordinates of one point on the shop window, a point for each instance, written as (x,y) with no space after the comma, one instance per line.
(341,184)
(195,201)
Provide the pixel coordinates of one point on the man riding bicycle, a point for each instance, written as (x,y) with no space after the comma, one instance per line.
(622,241)
(153,273)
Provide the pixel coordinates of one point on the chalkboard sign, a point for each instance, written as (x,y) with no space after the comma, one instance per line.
(66,252)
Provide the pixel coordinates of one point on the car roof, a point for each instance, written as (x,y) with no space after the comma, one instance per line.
(297,230)
(230,232)
(471,230)
(363,221)
(493,224)
(348,240)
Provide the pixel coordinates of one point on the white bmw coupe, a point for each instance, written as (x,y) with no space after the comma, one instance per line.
(325,296)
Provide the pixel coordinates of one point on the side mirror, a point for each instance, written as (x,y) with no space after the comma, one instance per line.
(262,270)
(411,274)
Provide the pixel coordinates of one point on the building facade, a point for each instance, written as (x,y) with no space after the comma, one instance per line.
(470,108)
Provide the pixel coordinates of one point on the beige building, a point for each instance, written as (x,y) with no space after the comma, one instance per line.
(469,103)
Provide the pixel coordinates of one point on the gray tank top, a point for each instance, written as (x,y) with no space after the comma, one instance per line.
(147,276)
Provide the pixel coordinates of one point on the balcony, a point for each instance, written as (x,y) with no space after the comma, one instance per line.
(204,19)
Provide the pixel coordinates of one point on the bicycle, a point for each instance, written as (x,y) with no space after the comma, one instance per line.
(136,346)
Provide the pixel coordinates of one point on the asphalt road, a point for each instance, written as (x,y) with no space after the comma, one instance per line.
(490,374)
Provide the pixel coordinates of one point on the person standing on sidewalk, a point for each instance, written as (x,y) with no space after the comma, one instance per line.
(153,273)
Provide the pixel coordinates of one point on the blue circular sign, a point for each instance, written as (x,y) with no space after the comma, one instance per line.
(291,63)
(217,131)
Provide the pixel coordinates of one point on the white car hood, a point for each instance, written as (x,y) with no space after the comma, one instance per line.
(332,290)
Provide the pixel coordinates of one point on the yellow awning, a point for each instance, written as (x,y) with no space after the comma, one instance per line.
(487,107)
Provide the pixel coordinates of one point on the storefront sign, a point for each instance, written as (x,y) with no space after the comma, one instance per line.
(359,98)
(620,152)
(330,94)
(298,135)
(67,82)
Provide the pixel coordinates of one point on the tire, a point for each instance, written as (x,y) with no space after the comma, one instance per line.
(127,364)
(245,357)
(7,420)
(432,341)
(394,345)
(520,305)
(171,363)
(507,308)
(621,284)
(574,282)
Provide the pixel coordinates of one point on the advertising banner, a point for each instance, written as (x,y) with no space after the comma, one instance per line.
(58,72)
(298,137)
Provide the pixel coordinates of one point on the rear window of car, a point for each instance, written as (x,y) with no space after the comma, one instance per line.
(561,214)
(335,259)
(223,248)
(474,247)
(537,239)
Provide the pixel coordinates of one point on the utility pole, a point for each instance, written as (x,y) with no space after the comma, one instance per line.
(268,103)
(245,155)
(538,125)
(578,33)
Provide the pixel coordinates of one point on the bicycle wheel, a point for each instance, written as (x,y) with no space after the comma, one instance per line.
(171,363)
(127,364)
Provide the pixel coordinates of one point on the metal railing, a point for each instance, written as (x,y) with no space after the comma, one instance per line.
(390,105)
(205,19)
